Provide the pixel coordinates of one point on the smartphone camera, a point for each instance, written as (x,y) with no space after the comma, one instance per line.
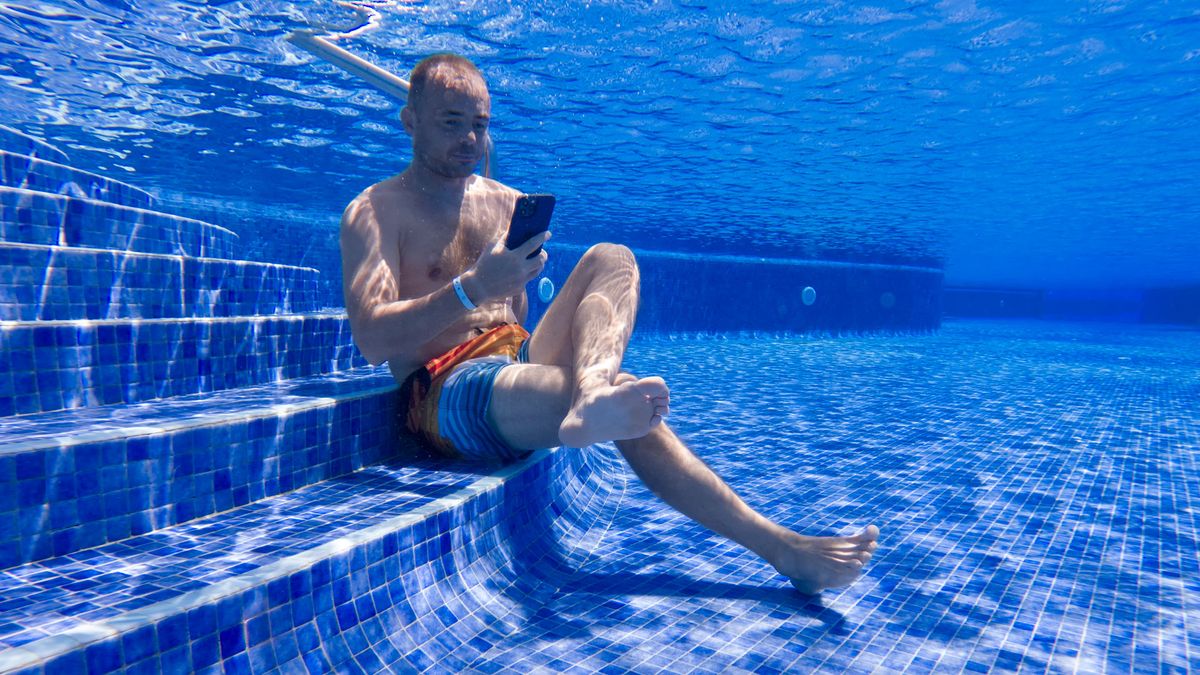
(526,207)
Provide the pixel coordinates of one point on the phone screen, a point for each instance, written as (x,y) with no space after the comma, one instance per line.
(531,216)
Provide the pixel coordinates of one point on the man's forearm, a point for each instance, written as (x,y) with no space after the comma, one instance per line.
(396,328)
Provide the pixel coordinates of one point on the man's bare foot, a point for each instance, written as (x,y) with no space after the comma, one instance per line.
(629,409)
(816,563)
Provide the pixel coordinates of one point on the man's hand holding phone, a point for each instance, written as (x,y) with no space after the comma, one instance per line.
(503,272)
(516,259)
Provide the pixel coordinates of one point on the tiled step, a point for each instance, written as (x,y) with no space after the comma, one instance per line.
(77,479)
(41,175)
(398,567)
(21,143)
(57,365)
(33,217)
(39,282)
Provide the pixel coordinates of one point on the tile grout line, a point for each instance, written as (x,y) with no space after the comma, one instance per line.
(88,323)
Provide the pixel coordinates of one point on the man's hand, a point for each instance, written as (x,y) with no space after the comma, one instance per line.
(500,272)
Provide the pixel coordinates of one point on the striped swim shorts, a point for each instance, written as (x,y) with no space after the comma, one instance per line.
(446,402)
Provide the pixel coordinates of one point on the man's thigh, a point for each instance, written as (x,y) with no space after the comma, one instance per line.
(529,402)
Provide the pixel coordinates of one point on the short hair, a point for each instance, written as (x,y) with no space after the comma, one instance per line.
(423,73)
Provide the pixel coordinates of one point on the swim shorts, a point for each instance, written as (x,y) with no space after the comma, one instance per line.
(446,402)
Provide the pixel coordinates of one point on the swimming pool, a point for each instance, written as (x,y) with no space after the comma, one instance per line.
(199,472)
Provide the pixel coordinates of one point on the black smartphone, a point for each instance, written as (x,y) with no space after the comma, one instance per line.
(531,216)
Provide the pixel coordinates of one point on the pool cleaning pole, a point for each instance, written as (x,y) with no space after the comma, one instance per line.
(370,73)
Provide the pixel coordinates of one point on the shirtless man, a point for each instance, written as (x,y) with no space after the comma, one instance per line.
(432,290)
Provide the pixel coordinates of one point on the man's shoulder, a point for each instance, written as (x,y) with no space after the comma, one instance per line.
(491,185)
(360,212)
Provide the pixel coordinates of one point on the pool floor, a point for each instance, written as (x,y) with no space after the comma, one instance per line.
(1035,485)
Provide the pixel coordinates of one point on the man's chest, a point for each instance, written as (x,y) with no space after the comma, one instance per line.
(430,254)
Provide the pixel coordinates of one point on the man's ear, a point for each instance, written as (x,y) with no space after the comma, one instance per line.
(406,118)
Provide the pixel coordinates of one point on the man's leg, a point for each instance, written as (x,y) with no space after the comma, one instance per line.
(580,343)
(682,480)
(587,328)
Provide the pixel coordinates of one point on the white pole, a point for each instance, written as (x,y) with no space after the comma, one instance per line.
(370,73)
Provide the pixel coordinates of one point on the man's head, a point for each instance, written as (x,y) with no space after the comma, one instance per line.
(447,115)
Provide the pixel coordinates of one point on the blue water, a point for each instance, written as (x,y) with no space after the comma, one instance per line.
(197,472)
(1030,146)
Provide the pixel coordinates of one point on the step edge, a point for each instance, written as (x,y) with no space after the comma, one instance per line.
(36,141)
(85,172)
(101,202)
(92,632)
(185,424)
(142,254)
(87,323)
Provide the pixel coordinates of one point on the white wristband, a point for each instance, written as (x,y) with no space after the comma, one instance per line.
(462,295)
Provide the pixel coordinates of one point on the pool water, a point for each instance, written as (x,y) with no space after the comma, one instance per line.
(199,473)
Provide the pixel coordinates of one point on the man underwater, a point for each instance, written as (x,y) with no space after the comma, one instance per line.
(432,290)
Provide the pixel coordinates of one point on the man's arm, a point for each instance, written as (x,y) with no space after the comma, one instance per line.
(384,326)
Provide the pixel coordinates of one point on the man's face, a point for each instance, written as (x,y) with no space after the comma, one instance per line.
(449,124)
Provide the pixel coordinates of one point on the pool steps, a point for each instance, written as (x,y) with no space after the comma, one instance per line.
(31,217)
(58,283)
(42,175)
(156,395)
(412,554)
(76,479)
(58,365)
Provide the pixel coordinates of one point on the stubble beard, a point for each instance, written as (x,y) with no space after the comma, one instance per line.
(448,168)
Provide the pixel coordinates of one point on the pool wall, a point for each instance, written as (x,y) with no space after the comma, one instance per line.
(680,293)
(1167,305)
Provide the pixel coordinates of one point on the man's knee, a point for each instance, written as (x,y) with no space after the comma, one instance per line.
(609,254)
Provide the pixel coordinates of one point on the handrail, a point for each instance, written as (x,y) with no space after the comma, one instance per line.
(388,83)
(375,76)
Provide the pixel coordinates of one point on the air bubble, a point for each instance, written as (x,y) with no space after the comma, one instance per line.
(546,289)
(808,295)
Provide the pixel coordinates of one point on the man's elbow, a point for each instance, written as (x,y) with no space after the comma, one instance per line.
(373,358)
(369,351)
(367,342)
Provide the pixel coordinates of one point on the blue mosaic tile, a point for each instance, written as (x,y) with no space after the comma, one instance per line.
(54,284)
(86,364)
(39,175)
(207,457)
(1034,485)
(18,142)
(55,220)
